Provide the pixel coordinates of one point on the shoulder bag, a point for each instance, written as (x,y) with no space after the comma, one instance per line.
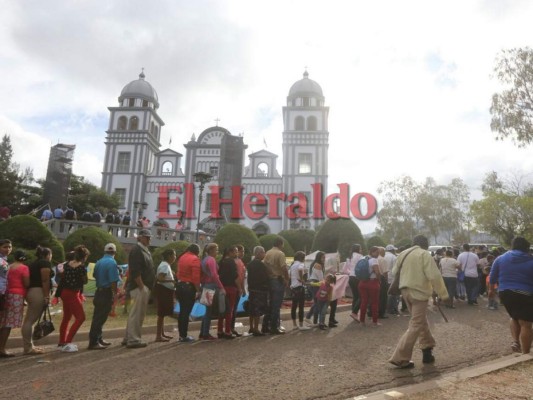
(394,288)
(44,326)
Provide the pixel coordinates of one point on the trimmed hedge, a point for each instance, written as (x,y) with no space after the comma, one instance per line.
(338,235)
(27,232)
(95,239)
(299,239)
(179,247)
(233,234)
(375,241)
(267,241)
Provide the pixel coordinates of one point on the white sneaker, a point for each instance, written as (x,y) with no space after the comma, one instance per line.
(308,321)
(304,328)
(69,348)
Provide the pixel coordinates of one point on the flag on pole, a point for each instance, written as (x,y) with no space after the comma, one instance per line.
(170,141)
(265,142)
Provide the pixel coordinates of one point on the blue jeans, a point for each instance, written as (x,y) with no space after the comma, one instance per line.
(472,289)
(206,320)
(277,291)
(314,310)
(322,306)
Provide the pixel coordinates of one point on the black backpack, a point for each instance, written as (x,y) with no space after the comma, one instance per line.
(117,219)
(109,218)
(126,220)
(69,214)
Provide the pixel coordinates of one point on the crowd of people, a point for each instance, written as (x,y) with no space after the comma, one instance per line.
(419,276)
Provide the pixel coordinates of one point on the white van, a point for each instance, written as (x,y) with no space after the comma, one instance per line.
(432,249)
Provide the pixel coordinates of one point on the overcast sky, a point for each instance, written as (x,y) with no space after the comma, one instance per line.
(408,83)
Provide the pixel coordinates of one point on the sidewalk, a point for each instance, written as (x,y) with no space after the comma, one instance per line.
(170,323)
(503,379)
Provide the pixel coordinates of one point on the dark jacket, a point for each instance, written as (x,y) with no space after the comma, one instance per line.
(140,263)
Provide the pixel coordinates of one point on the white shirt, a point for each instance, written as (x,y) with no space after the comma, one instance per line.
(164,268)
(448,267)
(371,263)
(294,272)
(469,262)
(317,274)
(352,263)
(390,259)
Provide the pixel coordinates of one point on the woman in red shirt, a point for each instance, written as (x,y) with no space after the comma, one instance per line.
(188,288)
(73,278)
(18,280)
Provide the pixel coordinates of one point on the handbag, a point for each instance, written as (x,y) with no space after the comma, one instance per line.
(394,288)
(44,326)
(207,297)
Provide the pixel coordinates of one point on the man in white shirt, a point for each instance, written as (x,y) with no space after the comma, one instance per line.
(469,262)
(390,260)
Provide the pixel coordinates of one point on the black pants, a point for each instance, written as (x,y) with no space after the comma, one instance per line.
(237,300)
(332,311)
(383,296)
(103,301)
(186,293)
(298,302)
(356,302)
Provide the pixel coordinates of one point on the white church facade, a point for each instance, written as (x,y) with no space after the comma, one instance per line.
(160,183)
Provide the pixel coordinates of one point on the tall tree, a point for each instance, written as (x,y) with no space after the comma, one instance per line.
(16,188)
(84,196)
(506,209)
(512,109)
(410,208)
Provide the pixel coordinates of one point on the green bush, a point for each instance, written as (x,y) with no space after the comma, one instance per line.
(95,239)
(299,239)
(179,247)
(267,241)
(338,235)
(232,234)
(375,241)
(27,232)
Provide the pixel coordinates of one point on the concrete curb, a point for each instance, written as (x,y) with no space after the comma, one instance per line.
(83,335)
(447,380)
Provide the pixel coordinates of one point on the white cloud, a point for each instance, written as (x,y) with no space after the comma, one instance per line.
(408,83)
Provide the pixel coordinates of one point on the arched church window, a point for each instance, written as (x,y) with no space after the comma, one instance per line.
(166,169)
(262,170)
(152,129)
(299,123)
(122,123)
(134,123)
(306,101)
(156,131)
(131,102)
(311,123)
(145,103)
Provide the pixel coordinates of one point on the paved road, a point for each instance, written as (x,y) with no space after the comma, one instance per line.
(341,363)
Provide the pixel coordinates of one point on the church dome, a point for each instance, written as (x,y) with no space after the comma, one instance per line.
(140,89)
(305,88)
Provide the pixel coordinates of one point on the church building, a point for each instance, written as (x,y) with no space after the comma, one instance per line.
(163,184)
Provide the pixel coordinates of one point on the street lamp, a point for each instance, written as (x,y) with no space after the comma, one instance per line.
(140,206)
(202,178)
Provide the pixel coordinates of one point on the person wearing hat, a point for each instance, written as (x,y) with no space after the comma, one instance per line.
(140,282)
(106,277)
